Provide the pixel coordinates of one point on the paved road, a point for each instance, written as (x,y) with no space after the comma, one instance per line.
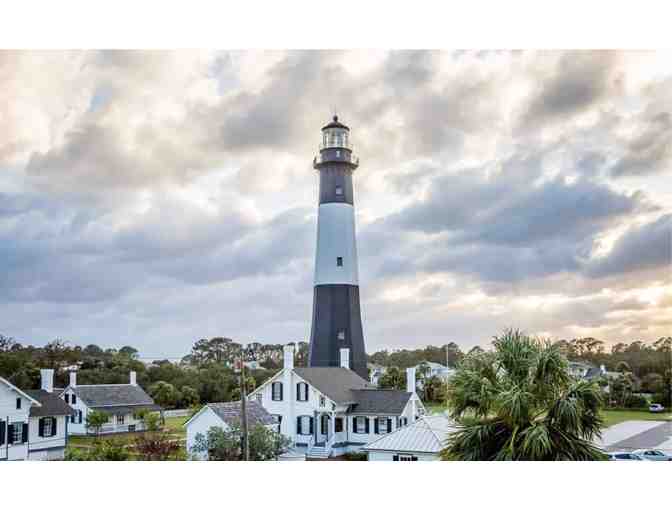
(658,436)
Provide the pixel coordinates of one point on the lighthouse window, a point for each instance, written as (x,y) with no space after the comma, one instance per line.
(338,154)
(339,190)
(339,261)
(341,335)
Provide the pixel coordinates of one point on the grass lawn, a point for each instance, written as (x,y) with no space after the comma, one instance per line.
(173,425)
(613,417)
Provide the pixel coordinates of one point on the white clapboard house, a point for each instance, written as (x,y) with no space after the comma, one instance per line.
(121,402)
(422,440)
(224,415)
(32,422)
(329,411)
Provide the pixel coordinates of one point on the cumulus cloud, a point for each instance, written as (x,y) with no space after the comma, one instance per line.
(160,196)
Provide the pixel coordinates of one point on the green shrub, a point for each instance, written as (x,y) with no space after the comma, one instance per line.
(355,456)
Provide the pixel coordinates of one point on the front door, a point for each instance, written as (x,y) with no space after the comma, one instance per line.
(324,427)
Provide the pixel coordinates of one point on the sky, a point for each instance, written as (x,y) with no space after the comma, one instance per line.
(154,198)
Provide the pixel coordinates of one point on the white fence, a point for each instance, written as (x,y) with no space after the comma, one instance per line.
(172,413)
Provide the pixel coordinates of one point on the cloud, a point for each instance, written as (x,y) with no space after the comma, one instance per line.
(163,196)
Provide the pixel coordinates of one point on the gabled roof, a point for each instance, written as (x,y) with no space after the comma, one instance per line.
(336,383)
(51,405)
(427,435)
(230,412)
(377,401)
(111,395)
(19,391)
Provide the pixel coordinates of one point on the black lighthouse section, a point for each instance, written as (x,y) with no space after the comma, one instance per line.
(337,323)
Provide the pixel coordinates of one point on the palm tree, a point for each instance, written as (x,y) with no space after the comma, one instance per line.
(519,402)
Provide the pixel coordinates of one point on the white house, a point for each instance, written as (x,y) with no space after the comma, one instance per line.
(422,440)
(432,369)
(32,422)
(121,402)
(328,411)
(224,415)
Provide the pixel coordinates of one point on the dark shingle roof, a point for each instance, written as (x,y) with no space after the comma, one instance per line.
(335,382)
(230,412)
(105,395)
(380,401)
(127,409)
(51,404)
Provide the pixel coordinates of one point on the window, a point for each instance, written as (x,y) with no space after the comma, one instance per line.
(402,421)
(341,335)
(339,261)
(18,402)
(278,419)
(338,154)
(339,190)
(338,425)
(323,401)
(404,457)
(383,425)
(74,398)
(302,392)
(46,428)
(361,425)
(304,425)
(17,432)
(121,419)
(276,391)
(67,398)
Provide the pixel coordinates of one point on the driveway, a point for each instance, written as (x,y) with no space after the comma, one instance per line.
(632,435)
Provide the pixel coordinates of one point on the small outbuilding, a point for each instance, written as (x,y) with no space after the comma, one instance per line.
(422,440)
(224,415)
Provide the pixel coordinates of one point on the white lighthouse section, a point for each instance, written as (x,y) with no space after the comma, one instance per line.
(336,245)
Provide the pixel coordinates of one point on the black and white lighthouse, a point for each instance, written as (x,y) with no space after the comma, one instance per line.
(337,322)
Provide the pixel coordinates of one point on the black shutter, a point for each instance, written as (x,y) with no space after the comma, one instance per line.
(2,432)
(24,433)
(40,427)
(298,425)
(74,398)
(376,430)
(54,421)
(311,429)
(80,415)
(67,398)
(10,433)
(389,424)
(298,391)
(281,390)
(354,424)
(366,425)
(395,457)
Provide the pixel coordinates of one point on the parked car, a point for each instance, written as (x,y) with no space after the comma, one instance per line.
(624,456)
(653,455)
(656,408)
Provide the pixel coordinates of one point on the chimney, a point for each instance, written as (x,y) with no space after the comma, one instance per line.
(73,379)
(47,377)
(288,357)
(131,377)
(345,357)
(410,380)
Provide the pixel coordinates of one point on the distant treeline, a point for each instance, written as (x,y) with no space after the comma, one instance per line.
(206,374)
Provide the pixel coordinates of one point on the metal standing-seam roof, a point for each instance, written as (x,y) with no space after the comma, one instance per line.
(427,435)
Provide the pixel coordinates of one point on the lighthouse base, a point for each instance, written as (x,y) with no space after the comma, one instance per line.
(337,324)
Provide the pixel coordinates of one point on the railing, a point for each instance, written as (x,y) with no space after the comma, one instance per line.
(352,159)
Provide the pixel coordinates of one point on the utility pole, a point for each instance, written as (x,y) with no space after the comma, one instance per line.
(243,406)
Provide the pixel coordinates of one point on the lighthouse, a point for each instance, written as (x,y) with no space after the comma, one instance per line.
(337,322)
